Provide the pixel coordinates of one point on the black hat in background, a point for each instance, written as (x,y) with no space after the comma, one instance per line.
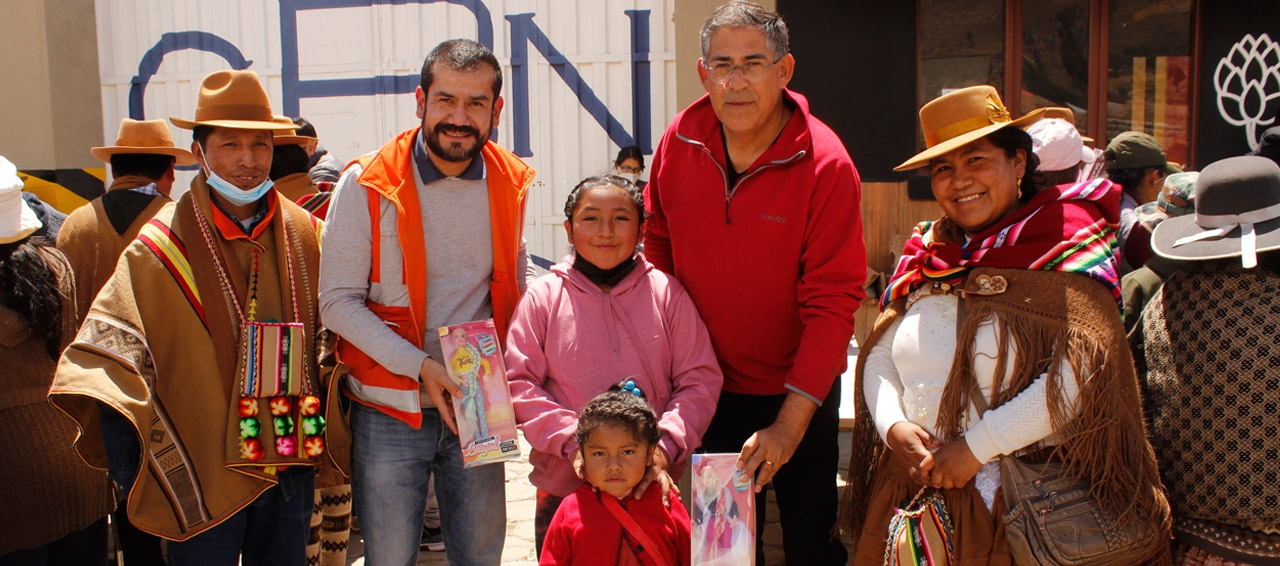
(1269,146)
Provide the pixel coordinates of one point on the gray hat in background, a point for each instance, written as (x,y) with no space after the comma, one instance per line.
(1237,214)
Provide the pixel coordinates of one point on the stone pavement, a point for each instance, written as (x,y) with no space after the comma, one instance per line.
(519,549)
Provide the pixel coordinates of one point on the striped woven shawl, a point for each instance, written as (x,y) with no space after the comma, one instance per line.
(1069,228)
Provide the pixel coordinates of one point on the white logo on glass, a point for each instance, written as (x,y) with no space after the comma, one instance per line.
(1248,85)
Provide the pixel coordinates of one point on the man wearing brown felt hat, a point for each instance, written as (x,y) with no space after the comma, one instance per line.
(202,346)
(142,169)
(289,163)
(142,163)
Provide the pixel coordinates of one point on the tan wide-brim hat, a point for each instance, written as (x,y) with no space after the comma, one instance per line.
(289,136)
(232,99)
(148,137)
(960,117)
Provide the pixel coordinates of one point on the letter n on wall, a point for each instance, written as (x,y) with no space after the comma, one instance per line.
(525,33)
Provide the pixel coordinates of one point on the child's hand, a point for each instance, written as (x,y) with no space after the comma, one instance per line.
(657,472)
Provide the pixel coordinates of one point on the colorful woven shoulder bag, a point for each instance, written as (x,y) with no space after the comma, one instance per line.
(920,534)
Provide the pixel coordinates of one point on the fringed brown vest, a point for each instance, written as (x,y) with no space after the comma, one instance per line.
(1048,318)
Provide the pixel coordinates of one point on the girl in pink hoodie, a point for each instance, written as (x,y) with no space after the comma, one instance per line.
(602,315)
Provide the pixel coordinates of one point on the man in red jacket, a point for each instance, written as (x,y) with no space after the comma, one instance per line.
(754,207)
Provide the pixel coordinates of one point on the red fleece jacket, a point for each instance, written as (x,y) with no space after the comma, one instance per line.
(774,264)
(584,532)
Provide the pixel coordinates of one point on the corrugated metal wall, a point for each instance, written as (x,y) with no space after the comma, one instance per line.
(350,66)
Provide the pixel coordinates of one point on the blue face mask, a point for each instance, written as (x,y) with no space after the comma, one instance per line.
(236,195)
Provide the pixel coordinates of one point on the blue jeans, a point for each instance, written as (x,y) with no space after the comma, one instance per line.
(392,463)
(273,530)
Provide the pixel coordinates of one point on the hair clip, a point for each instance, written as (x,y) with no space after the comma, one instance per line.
(629,386)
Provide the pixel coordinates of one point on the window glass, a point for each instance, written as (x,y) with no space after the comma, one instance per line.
(1149,71)
(961,44)
(1055,57)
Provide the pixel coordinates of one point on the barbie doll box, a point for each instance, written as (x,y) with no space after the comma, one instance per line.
(724,516)
(486,421)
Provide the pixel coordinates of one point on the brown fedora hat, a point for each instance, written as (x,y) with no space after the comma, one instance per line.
(289,136)
(231,99)
(149,137)
(1237,214)
(960,117)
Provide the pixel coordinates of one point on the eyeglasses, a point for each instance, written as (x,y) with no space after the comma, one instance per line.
(626,169)
(754,71)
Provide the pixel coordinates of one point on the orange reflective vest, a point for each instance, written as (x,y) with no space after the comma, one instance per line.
(387,174)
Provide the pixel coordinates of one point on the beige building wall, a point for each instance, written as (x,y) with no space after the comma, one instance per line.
(689,15)
(26,126)
(53,109)
(74,84)
(52,112)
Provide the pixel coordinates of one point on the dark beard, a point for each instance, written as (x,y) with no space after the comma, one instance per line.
(455,153)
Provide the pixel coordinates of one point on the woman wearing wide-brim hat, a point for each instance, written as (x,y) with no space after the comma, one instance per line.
(1000,335)
(1206,350)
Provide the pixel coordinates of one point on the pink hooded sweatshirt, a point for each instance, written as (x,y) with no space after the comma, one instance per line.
(569,341)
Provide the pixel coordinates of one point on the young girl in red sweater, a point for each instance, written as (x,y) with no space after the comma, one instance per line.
(600,523)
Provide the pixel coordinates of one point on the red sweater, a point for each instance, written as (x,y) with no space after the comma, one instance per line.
(774,264)
(584,532)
